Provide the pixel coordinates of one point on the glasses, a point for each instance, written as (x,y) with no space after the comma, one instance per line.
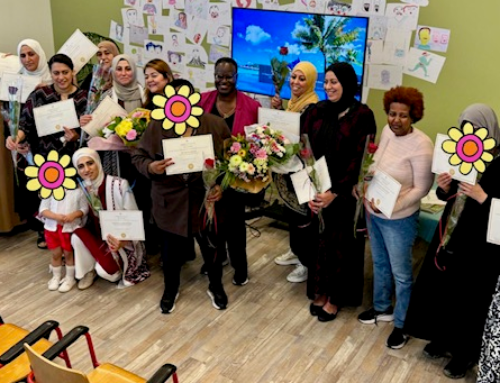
(227,77)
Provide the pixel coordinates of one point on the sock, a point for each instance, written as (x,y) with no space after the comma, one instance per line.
(57,272)
(70,273)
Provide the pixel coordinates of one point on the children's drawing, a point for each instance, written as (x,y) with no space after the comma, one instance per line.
(432,39)
(402,16)
(424,65)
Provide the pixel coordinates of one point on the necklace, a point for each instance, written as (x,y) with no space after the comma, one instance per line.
(226,111)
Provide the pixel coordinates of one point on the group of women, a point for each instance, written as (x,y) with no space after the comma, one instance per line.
(455,285)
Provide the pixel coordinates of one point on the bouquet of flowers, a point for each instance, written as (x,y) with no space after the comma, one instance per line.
(130,128)
(364,178)
(280,70)
(248,160)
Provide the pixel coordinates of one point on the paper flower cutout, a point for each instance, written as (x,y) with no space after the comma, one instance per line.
(51,176)
(178,109)
(468,148)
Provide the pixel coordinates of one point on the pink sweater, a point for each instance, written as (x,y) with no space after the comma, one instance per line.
(408,159)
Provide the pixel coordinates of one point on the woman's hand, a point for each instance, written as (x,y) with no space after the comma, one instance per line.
(70,135)
(322,200)
(276,102)
(355,192)
(215,194)
(114,243)
(444,182)
(158,167)
(11,144)
(373,207)
(475,192)
(85,119)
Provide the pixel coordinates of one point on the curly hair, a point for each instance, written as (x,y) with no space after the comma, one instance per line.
(411,97)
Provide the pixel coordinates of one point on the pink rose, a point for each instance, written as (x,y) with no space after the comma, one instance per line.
(137,115)
(235,147)
(131,135)
(209,163)
(261,153)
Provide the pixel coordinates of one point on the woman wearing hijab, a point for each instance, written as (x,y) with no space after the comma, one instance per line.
(302,83)
(338,129)
(34,61)
(449,304)
(113,260)
(107,50)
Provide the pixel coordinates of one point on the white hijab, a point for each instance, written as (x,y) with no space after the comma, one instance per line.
(43,68)
(87,152)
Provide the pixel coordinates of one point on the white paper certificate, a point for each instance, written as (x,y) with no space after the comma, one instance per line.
(125,225)
(27,84)
(286,122)
(303,185)
(440,163)
(51,118)
(188,153)
(104,113)
(9,63)
(384,190)
(79,48)
(493,235)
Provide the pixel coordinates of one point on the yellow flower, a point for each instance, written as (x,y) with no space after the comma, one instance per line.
(178,109)
(468,148)
(123,127)
(51,175)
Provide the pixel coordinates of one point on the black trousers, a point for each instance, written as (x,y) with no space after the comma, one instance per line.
(176,248)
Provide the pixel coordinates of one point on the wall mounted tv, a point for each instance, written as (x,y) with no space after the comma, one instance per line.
(258,36)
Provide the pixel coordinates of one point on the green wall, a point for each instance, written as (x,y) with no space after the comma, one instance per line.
(470,73)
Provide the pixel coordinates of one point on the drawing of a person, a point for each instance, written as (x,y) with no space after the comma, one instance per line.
(218,39)
(175,41)
(214,12)
(149,8)
(132,16)
(196,59)
(181,21)
(424,35)
(385,77)
(174,58)
(423,62)
(153,24)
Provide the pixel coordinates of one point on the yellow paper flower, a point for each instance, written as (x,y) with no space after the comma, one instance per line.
(51,175)
(469,148)
(178,109)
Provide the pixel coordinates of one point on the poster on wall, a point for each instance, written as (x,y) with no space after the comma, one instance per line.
(432,39)
(424,65)
(385,77)
(402,16)
(369,7)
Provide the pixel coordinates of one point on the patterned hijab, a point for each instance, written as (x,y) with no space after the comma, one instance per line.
(87,152)
(42,70)
(130,94)
(482,116)
(297,104)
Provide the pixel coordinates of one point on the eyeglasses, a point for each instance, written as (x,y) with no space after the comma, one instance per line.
(227,77)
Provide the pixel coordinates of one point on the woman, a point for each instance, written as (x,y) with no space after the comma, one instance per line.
(302,83)
(157,74)
(451,277)
(238,110)
(113,260)
(338,129)
(107,50)
(61,69)
(178,204)
(405,154)
(34,61)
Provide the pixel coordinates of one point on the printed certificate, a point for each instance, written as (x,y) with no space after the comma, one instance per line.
(125,225)
(384,190)
(188,153)
(26,83)
(104,113)
(286,122)
(79,48)
(303,185)
(51,118)
(493,235)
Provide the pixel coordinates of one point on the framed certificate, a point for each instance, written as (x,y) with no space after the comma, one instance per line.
(125,225)
(188,153)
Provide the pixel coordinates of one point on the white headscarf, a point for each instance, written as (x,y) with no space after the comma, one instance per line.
(482,116)
(87,152)
(43,68)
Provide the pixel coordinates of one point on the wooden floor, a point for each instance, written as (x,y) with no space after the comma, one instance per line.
(265,336)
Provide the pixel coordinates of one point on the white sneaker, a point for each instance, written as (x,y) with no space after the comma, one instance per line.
(286,259)
(298,275)
(87,280)
(67,284)
(54,283)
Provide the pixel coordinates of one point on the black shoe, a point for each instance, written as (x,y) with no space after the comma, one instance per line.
(240,280)
(457,367)
(167,303)
(218,297)
(372,316)
(204,269)
(397,339)
(315,310)
(323,316)
(434,350)
(40,242)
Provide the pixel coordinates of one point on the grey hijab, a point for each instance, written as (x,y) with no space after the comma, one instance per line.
(482,116)
(130,94)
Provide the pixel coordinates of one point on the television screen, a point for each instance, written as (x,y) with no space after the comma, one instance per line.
(260,35)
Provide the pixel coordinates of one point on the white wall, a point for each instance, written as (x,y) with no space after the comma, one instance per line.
(23,19)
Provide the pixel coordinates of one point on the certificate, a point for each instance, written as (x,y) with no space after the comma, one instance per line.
(26,83)
(384,190)
(104,113)
(440,163)
(9,63)
(493,235)
(51,118)
(303,185)
(286,122)
(125,225)
(188,153)
(79,48)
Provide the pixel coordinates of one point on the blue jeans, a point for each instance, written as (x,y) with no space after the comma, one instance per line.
(391,243)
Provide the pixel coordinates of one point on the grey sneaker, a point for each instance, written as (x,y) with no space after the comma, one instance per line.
(373,316)
(87,280)
(287,259)
(298,275)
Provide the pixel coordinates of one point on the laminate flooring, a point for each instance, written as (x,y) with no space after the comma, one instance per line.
(266,335)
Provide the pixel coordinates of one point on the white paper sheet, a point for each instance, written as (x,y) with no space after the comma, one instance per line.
(369,7)
(287,122)
(104,113)
(424,65)
(188,153)
(432,39)
(396,45)
(9,63)
(125,225)
(441,164)
(385,77)
(384,190)
(304,187)
(27,83)
(402,16)
(493,235)
(79,48)
(51,118)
